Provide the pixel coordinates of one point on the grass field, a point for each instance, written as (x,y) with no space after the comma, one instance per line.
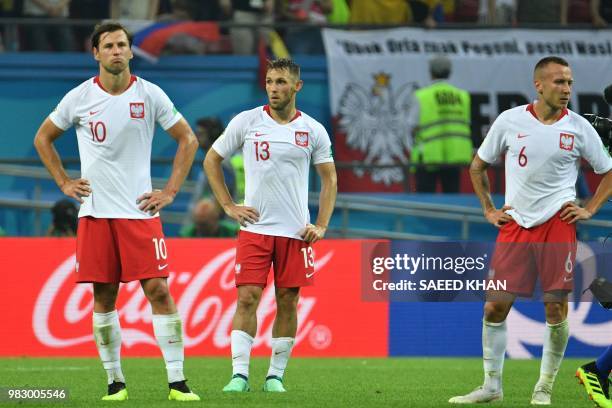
(393,382)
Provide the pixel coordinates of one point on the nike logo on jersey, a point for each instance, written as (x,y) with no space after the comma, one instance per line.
(257,134)
(522,136)
(93,112)
(173,341)
(309,275)
(161,267)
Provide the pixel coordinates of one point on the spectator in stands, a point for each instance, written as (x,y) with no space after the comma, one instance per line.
(245,40)
(8,42)
(305,39)
(340,12)
(601,12)
(579,12)
(207,130)
(43,37)
(380,12)
(499,12)
(542,11)
(134,10)
(65,216)
(87,10)
(440,118)
(207,222)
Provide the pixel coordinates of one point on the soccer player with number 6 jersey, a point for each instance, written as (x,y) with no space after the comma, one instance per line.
(278,143)
(542,143)
(119,236)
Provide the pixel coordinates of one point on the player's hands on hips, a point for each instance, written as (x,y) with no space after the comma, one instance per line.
(313,233)
(154,201)
(242,214)
(571,212)
(498,217)
(76,188)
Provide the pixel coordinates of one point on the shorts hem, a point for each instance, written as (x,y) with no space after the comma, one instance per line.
(258,284)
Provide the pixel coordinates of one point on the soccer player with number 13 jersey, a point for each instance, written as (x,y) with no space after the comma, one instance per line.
(278,143)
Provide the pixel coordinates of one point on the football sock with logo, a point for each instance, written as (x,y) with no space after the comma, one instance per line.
(494,341)
(555,341)
(107,335)
(168,331)
(281,350)
(242,342)
(604,364)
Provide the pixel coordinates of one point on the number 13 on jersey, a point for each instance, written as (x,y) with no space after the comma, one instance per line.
(262,151)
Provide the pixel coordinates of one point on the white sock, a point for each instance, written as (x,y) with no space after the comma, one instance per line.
(493,352)
(555,341)
(242,342)
(168,331)
(281,350)
(107,335)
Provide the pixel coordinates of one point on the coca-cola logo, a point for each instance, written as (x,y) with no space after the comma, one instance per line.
(206,301)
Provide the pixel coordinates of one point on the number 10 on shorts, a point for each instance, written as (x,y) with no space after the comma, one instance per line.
(308,257)
(160,248)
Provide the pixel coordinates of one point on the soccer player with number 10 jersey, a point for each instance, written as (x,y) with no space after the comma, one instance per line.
(119,236)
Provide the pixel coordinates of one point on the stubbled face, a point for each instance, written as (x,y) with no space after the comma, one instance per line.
(281,87)
(113,52)
(554,85)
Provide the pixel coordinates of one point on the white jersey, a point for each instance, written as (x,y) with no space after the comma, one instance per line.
(542,161)
(276,166)
(115,134)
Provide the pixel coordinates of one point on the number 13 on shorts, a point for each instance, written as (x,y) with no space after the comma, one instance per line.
(308,256)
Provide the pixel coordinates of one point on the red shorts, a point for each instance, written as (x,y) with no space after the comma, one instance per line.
(293,261)
(112,250)
(547,251)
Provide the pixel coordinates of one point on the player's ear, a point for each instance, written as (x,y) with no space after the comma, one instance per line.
(298,85)
(537,83)
(94,51)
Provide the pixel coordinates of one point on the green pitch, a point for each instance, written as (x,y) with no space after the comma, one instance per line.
(310,382)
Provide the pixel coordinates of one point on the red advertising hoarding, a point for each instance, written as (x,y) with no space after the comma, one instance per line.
(49,315)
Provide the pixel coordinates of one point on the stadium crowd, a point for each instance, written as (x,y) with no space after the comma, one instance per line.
(58,25)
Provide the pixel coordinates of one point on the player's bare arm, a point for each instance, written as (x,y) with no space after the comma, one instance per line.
(214,173)
(43,142)
(573,212)
(155,200)
(327,200)
(480,181)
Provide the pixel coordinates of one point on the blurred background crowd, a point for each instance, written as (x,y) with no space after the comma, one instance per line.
(64,25)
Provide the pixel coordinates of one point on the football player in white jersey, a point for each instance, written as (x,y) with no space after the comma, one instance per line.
(543,144)
(278,143)
(119,236)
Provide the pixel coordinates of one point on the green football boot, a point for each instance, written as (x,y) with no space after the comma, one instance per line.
(238,383)
(116,392)
(179,391)
(597,392)
(274,384)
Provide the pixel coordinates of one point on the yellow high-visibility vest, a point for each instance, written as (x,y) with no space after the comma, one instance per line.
(443,134)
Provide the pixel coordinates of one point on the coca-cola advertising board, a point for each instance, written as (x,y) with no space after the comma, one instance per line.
(49,315)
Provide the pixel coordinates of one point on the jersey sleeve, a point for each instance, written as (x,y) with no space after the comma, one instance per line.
(233,136)
(64,115)
(494,144)
(165,112)
(322,150)
(594,151)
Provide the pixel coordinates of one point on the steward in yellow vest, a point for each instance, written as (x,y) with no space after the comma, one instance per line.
(442,133)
